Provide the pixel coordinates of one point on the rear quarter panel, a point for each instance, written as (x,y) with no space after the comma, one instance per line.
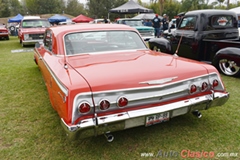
(62,84)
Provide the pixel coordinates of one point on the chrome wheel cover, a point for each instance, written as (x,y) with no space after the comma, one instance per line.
(228,67)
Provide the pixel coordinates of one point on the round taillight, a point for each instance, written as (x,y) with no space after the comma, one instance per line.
(215,83)
(104,104)
(84,107)
(193,88)
(204,86)
(122,102)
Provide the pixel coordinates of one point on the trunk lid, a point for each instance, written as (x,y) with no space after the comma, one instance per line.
(133,68)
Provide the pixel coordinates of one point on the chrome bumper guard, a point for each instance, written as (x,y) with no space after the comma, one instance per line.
(120,121)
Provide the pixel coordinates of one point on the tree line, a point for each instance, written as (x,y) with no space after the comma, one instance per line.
(100,8)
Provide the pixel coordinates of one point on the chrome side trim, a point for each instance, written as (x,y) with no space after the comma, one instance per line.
(61,86)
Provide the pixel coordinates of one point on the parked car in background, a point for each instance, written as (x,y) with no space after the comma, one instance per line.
(146,32)
(211,36)
(31,30)
(66,23)
(99,21)
(103,78)
(172,23)
(4,34)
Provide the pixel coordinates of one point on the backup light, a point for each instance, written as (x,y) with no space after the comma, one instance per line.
(122,102)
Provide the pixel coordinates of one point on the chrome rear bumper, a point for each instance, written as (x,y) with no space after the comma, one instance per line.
(31,42)
(120,121)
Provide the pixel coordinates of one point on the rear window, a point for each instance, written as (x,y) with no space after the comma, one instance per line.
(221,22)
(102,41)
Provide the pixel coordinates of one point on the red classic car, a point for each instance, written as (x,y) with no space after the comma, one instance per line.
(31,30)
(103,78)
(4,34)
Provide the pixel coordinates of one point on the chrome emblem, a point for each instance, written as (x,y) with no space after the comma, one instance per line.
(159,81)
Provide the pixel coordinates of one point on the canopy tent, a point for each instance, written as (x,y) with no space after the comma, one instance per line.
(57,18)
(17,18)
(236,10)
(131,7)
(81,19)
(147,16)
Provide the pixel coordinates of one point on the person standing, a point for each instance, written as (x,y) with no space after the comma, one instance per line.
(147,23)
(165,22)
(156,23)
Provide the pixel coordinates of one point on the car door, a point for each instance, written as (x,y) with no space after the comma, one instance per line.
(184,38)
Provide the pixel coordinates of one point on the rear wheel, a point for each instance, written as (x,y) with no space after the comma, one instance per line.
(229,67)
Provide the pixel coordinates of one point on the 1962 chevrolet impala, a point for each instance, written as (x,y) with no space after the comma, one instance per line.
(103,78)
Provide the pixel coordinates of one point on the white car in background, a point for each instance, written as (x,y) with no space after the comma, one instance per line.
(101,20)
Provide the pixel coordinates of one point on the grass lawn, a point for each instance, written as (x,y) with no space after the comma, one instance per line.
(30,128)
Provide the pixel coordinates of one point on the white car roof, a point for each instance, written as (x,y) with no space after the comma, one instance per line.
(31,17)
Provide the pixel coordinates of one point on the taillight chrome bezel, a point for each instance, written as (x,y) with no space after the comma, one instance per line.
(204,86)
(215,83)
(122,98)
(86,103)
(107,102)
(191,88)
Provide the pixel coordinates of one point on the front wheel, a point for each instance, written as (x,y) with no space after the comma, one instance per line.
(229,67)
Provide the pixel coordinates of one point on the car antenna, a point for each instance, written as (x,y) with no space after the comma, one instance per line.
(176,52)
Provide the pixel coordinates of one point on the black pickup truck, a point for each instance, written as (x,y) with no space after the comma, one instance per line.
(210,36)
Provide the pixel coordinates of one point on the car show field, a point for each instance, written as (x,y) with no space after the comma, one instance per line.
(30,127)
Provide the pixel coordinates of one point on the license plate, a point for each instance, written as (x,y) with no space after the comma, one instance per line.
(157,118)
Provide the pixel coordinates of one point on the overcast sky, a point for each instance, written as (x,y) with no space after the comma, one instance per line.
(146,1)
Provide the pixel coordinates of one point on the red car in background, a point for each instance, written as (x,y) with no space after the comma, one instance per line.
(4,34)
(103,78)
(31,30)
